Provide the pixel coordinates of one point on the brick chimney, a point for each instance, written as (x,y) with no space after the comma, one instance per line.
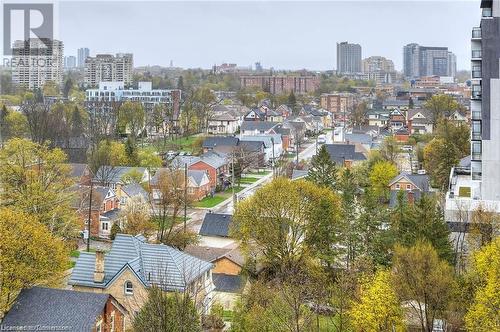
(99,266)
(410,126)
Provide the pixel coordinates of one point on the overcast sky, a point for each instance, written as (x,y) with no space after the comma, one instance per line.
(283,35)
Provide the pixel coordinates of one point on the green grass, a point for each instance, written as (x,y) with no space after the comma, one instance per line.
(74,253)
(248,179)
(218,198)
(260,172)
(209,202)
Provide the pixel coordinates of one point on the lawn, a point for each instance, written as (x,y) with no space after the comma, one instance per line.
(209,202)
(218,198)
(248,179)
(228,316)
(260,172)
(177,144)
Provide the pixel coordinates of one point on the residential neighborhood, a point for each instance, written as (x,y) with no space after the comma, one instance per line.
(340,186)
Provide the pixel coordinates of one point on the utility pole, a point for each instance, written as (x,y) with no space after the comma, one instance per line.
(297,146)
(317,134)
(232,181)
(90,214)
(274,173)
(185,198)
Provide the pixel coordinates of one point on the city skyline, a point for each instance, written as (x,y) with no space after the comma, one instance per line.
(195,27)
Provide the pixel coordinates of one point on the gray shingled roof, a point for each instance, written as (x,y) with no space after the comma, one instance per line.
(258,125)
(420,180)
(212,142)
(213,159)
(197,176)
(78,311)
(154,264)
(342,152)
(135,189)
(228,283)
(77,170)
(216,224)
(211,254)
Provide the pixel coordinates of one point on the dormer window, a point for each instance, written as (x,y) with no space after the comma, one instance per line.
(129,288)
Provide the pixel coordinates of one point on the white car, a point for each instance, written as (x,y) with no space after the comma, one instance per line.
(322,139)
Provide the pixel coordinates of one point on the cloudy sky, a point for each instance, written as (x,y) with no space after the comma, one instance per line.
(283,35)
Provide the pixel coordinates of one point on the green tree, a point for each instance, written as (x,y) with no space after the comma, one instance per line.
(281,217)
(422,280)
(457,134)
(441,106)
(292,100)
(131,151)
(378,308)
(380,176)
(483,314)
(167,312)
(35,179)
(30,255)
(440,156)
(131,118)
(323,171)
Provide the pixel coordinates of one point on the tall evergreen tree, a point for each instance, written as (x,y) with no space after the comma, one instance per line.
(323,171)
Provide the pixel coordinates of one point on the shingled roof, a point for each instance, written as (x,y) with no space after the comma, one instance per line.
(153,264)
(339,153)
(78,311)
(216,224)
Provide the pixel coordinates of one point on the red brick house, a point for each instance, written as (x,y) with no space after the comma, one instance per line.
(104,201)
(214,164)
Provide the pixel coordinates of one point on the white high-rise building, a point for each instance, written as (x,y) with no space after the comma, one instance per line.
(33,63)
(348,58)
(475,183)
(109,68)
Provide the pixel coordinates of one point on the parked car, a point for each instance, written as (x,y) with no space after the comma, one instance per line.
(407,148)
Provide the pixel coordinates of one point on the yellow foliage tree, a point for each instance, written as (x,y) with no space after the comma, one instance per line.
(378,308)
(29,255)
(484,313)
(380,175)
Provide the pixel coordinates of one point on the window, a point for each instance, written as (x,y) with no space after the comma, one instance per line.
(129,288)
(408,187)
(112,322)
(397,186)
(98,326)
(105,226)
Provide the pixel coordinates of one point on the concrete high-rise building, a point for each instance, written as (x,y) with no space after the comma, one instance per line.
(419,61)
(379,69)
(348,58)
(109,68)
(33,63)
(69,62)
(83,53)
(475,183)
(452,64)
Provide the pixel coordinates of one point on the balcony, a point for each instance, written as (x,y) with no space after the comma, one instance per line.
(476,73)
(476,115)
(477,54)
(476,156)
(476,33)
(476,91)
(487,12)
